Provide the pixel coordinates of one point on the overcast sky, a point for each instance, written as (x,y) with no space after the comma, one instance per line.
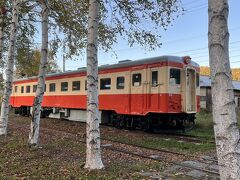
(186,36)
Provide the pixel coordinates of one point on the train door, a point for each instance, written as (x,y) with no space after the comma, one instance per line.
(190,90)
(137,92)
(153,102)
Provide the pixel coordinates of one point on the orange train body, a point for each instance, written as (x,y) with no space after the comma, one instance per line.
(159,85)
(157,103)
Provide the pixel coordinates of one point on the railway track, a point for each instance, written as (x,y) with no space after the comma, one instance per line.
(172,135)
(135,150)
(150,148)
(162,159)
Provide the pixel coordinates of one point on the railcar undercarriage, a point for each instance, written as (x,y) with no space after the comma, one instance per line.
(153,121)
(176,122)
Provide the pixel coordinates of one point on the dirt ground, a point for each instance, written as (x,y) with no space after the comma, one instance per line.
(61,154)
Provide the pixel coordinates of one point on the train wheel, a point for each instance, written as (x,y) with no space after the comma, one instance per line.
(120,123)
(188,124)
(113,120)
(133,125)
(147,125)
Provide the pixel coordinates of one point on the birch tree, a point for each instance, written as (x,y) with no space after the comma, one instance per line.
(2,24)
(224,115)
(9,70)
(93,158)
(122,12)
(35,123)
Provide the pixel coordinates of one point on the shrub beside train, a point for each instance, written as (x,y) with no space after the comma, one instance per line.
(155,92)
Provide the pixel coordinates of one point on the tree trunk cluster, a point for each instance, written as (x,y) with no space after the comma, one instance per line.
(9,71)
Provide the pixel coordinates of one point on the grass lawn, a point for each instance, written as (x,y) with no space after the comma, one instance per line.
(204,125)
(203,129)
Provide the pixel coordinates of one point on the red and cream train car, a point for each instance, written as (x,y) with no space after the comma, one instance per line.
(142,93)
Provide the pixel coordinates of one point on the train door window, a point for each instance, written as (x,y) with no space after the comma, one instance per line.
(136,79)
(85,85)
(45,88)
(34,88)
(52,87)
(154,78)
(28,89)
(76,85)
(105,83)
(174,77)
(16,89)
(64,86)
(22,89)
(197,79)
(120,82)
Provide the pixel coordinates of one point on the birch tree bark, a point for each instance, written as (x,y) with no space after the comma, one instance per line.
(93,151)
(2,24)
(224,115)
(9,70)
(37,105)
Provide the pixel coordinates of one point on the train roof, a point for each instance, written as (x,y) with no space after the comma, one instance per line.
(121,64)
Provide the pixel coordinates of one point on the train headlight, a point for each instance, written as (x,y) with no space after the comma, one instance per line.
(187,59)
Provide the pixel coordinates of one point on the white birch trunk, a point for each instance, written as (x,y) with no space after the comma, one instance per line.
(224,115)
(37,105)
(2,16)
(93,151)
(9,70)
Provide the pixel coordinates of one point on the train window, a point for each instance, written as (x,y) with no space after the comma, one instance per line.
(28,89)
(22,89)
(52,87)
(203,98)
(85,85)
(76,85)
(136,79)
(34,88)
(120,82)
(64,86)
(154,78)
(45,88)
(105,83)
(174,76)
(15,89)
(197,79)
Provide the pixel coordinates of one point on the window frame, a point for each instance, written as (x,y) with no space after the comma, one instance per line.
(103,86)
(133,82)
(51,86)
(34,88)
(22,89)
(16,89)
(79,87)
(178,81)
(28,89)
(64,89)
(154,84)
(117,82)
